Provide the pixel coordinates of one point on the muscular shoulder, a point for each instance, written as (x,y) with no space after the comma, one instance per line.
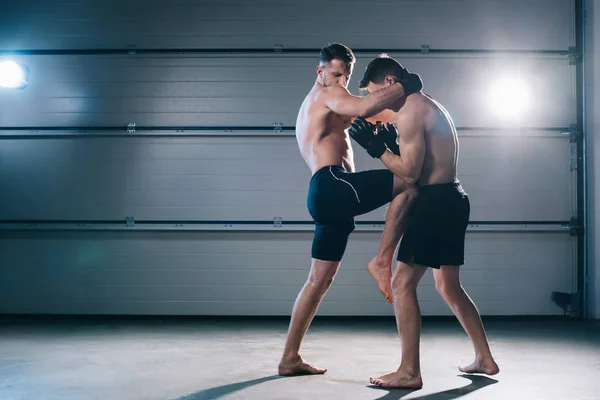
(417,102)
(332,95)
(317,99)
(333,91)
(414,111)
(320,111)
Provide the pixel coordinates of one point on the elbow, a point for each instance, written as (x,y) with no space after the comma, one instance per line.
(365,112)
(411,180)
(412,177)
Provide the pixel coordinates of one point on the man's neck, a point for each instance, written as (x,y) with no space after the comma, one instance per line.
(398,104)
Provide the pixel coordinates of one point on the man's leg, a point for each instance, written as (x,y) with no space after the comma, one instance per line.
(319,280)
(408,318)
(380,266)
(447,282)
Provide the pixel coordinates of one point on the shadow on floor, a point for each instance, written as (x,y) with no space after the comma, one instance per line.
(219,391)
(477,382)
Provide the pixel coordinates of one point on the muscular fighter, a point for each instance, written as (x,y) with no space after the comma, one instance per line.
(336,192)
(434,235)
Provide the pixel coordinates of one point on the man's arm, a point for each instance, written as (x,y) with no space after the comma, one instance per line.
(342,102)
(411,130)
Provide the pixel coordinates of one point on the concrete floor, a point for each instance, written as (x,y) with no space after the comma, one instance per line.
(192,359)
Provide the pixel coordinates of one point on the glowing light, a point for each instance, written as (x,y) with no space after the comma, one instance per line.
(509,98)
(13,75)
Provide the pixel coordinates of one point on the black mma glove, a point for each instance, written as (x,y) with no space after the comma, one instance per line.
(411,83)
(363,132)
(390,137)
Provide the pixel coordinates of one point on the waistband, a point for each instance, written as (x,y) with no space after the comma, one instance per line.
(326,169)
(441,187)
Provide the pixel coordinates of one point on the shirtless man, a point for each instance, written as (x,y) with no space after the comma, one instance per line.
(336,192)
(434,235)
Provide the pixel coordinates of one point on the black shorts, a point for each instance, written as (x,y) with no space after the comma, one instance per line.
(335,197)
(435,231)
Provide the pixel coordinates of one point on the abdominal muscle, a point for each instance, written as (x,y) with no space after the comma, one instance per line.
(333,149)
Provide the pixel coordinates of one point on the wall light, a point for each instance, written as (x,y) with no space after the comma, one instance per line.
(509,98)
(13,75)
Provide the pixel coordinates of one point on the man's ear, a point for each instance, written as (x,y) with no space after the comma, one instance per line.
(390,80)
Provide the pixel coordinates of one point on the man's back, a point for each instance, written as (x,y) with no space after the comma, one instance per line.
(441,140)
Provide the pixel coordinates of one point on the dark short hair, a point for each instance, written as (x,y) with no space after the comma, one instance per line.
(336,51)
(381,67)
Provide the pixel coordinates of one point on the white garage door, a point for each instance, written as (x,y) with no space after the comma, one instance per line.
(201,207)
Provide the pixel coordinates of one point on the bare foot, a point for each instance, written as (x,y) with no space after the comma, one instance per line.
(481,366)
(398,380)
(383,276)
(299,367)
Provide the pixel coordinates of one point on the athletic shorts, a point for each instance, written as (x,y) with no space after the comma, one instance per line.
(335,197)
(435,230)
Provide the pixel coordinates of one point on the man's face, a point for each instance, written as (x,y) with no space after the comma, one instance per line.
(388,115)
(371,87)
(336,72)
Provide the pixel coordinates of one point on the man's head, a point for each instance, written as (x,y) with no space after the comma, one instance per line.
(381,72)
(336,63)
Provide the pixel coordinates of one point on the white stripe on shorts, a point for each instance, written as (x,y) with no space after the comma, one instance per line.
(339,179)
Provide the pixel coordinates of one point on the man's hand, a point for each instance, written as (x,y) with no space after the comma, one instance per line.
(389,135)
(411,83)
(363,132)
(410,123)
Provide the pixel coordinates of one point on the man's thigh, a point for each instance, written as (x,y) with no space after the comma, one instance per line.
(372,189)
(330,239)
(435,233)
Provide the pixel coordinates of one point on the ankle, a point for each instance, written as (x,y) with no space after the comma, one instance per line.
(414,372)
(290,358)
(483,357)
